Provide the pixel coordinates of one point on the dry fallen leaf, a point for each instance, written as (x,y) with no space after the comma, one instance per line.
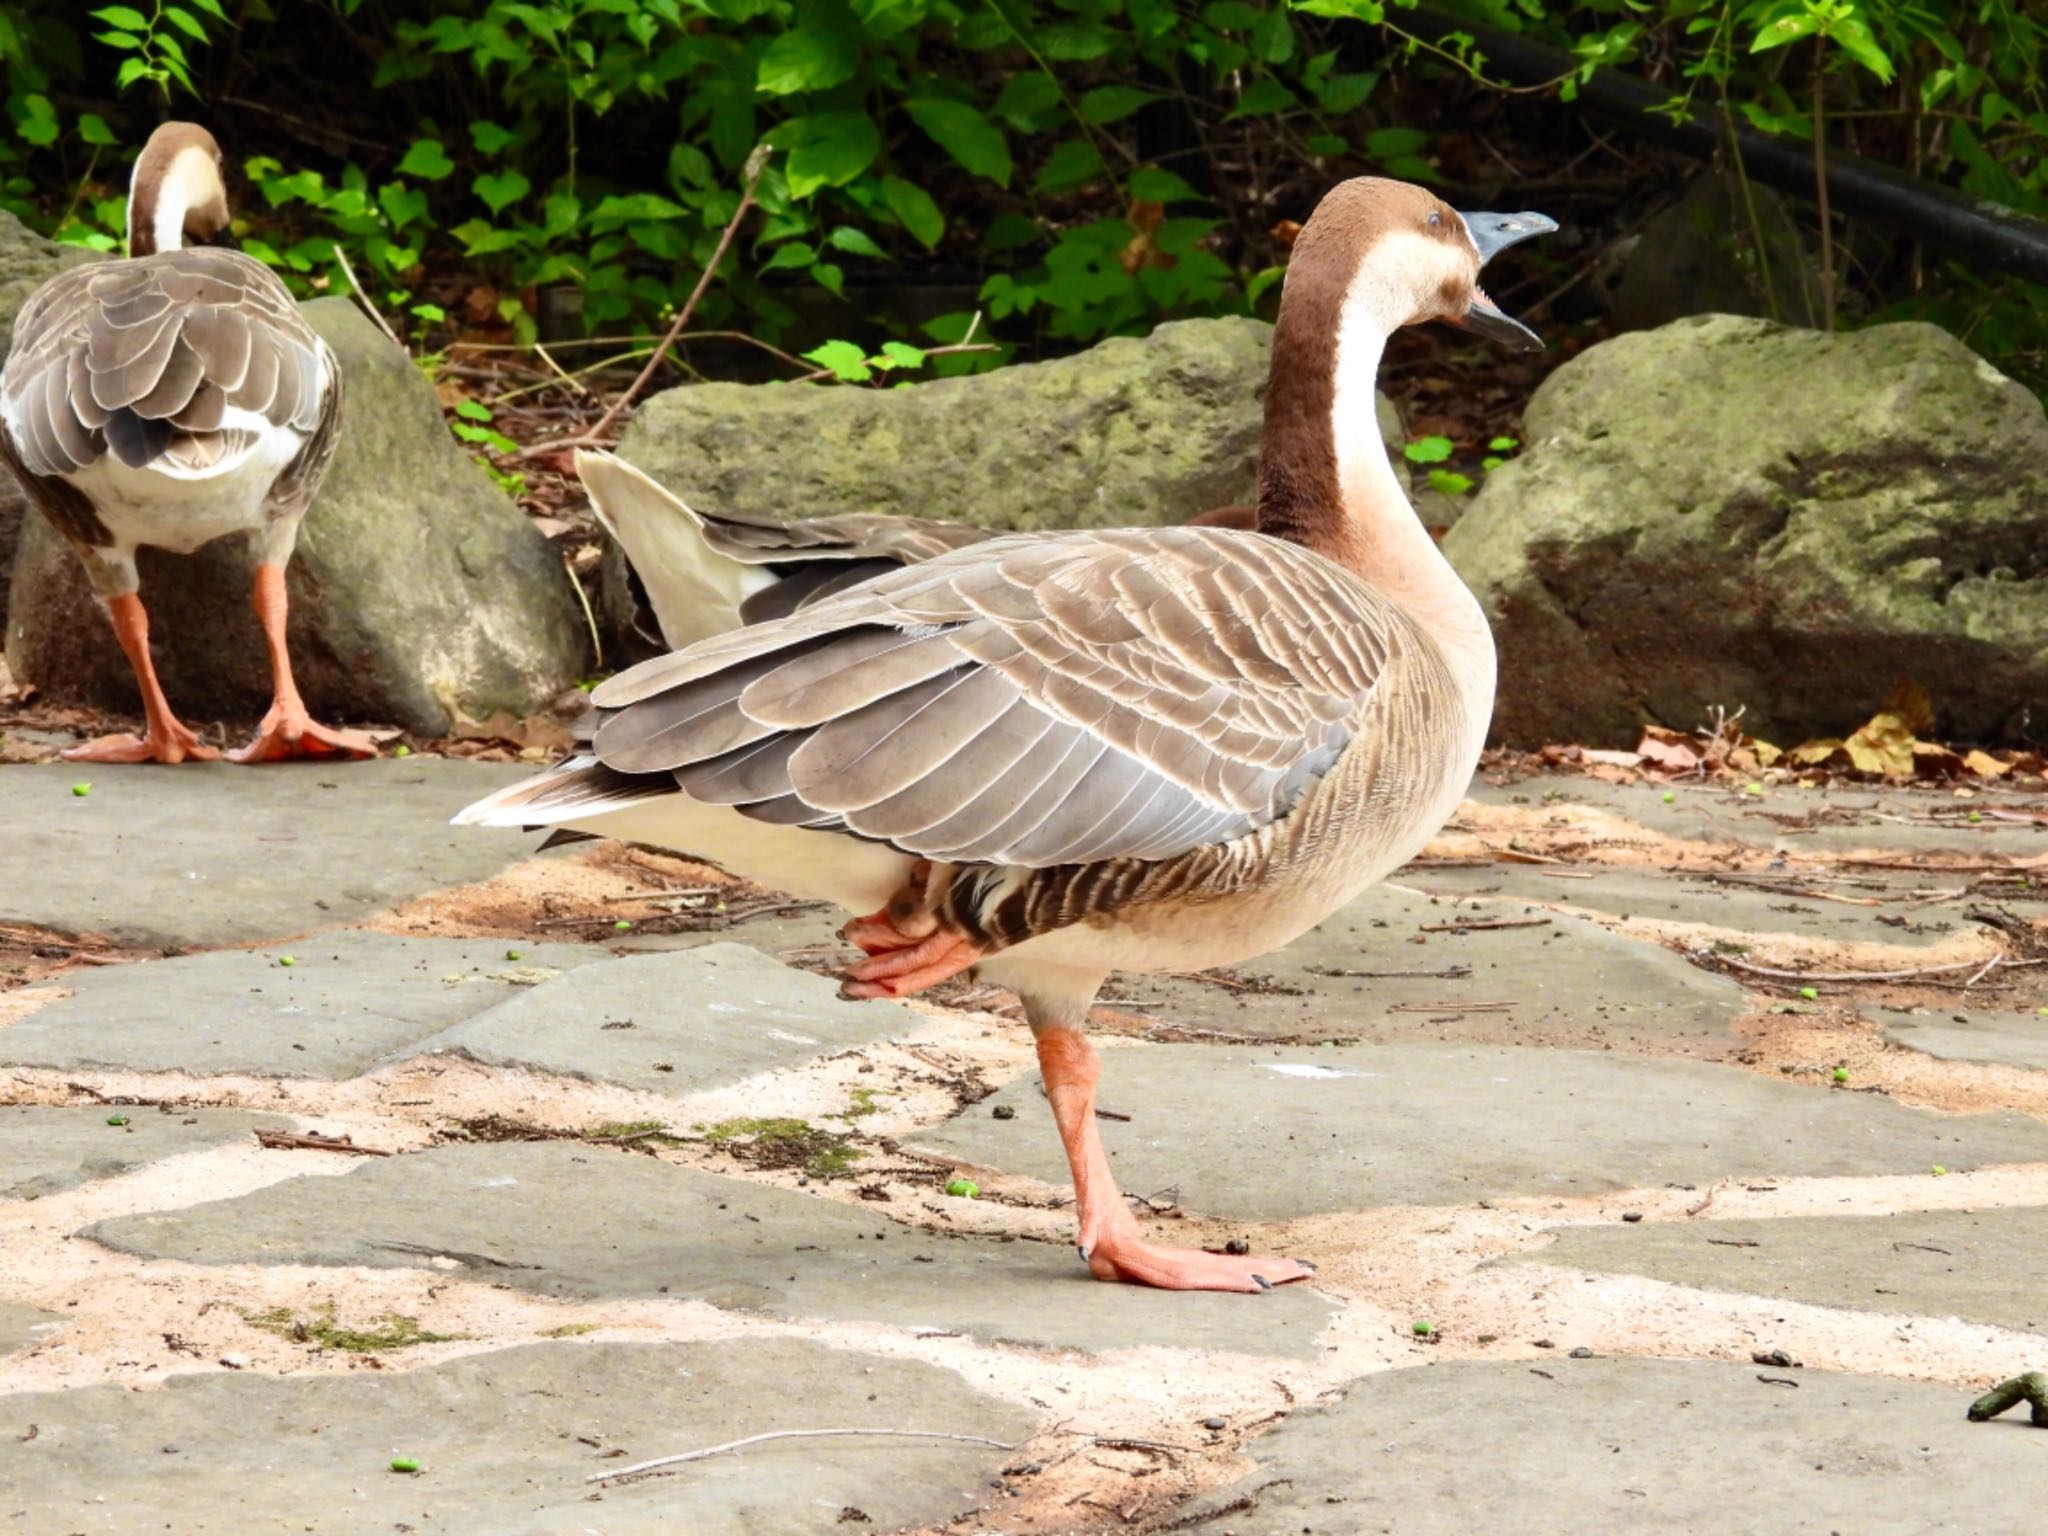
(1985,766)
(1668,750)
(1882,745)
(1909,701)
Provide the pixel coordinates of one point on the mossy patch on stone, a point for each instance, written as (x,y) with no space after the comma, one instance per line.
(784,1143)
(322,1329)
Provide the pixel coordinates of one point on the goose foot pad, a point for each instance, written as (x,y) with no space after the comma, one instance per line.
(286,735)
(176,745)
(1125,1258)
(910,967)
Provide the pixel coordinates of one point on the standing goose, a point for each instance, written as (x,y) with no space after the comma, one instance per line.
(172,399)
(1054,755)
(708,572)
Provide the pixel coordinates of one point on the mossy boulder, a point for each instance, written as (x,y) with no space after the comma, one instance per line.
(418,590)
(1726,511)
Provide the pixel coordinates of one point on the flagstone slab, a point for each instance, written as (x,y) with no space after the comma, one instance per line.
(1983,1266)
(1677,898)
(674,1023)
(562,1219)
(347,1001)
(1683,1448)
(214,853)
(48,1148)
(19,1325)
(1275,1133)
(505,1441)
(1970,1034)
(1376,972)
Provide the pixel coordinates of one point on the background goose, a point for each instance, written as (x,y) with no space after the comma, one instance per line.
(172,399)
(707,572)
(1051,755)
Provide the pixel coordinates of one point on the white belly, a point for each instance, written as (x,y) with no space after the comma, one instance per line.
(182,512)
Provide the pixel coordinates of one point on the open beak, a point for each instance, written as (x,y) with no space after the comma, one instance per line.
(1493,233)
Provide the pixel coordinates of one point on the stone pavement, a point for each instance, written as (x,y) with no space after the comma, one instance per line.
(1604,1096)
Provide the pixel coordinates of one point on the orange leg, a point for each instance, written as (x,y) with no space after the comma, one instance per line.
(287,730)
(1109,1238)
(165,739)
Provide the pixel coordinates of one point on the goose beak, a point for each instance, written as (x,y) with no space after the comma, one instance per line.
(1491,234)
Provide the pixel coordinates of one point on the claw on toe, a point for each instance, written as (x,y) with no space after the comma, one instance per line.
(283,736)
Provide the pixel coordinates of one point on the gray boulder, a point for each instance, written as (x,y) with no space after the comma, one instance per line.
(417,591)
(1726,511)
(27,261)
(1131,431)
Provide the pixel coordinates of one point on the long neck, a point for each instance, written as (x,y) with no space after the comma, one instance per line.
(158,204)
(1325,481)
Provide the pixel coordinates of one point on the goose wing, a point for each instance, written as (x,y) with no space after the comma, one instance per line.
(1034,700)
(179,361)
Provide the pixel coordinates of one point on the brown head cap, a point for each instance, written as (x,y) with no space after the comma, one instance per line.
(181,163)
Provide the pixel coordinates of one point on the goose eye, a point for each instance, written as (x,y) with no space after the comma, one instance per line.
(1435,219)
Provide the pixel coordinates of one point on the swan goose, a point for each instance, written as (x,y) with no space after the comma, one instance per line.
(172,399)
(1052,755)
(704,573)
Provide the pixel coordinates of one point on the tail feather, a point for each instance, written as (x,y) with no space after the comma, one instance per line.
(572,790)
(694,590)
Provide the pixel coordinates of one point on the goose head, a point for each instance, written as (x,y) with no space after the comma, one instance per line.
(177,193)
(1400,255)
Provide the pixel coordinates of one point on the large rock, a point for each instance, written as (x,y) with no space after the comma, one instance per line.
(27,261)
(1729,512)
(1132,431)
(417,589)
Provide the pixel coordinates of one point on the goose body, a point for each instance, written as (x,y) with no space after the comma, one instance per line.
(708,572)
(1053,755)
(171,399)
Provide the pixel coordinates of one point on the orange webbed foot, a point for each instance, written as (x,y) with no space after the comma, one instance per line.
(175,745)
(911,967)
(1121,1256)
(288,734)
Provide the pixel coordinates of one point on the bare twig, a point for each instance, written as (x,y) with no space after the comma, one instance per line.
(1982,968)
(354,282)
(1486,925)
(292,1141)
(785,1434)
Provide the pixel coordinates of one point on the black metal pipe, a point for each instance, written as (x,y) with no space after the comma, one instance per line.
(1982,232)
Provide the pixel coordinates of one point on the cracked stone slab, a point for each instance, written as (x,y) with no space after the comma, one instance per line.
(1271,1134)
(1680,898)
(1692,1448)
(348,1001)
(562,1219)
(1831,819)
(1375,972)
(1970,1034)
(502,1439)
(20,1325)
(213,853)
(47,1148)
(674,1022)
(1982,1266)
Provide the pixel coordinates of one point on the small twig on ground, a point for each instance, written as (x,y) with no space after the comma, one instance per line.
(785,1434)
(1486,925)
(1449,973)
(354,282)
(293,1141)
(1984,968)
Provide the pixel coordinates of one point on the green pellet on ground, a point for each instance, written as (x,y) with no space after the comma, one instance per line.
(1422,1329)
(117,1119)
(513,954)
(401,750)
(966,1189)
(1670,798)
(1809,993)
(287,960)
(1841,1074)
(1940,1172)
(404,1464)
(81,790)
(622,924)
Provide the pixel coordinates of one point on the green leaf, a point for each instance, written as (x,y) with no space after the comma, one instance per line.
(855,242)
(427,160)
(125,17)
(962,132)
(903,354)
(401,203)
(792,254)
(213,8)
(836,147)
(1855,39)
(914,207)
(1503,444)
(1786,29)
(849,364)
(1262,98)
(118,39)
(1428,450)
(94,130)
(185,22)
(1072,164)
(501,189)
(489,138)
(1075,42)
(472,410)
(1388,143)
(1027,99)
(830,278)
(37,121)
(806,59)
(1149,184)
(1449,481)
(131,71)
(1113,103)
